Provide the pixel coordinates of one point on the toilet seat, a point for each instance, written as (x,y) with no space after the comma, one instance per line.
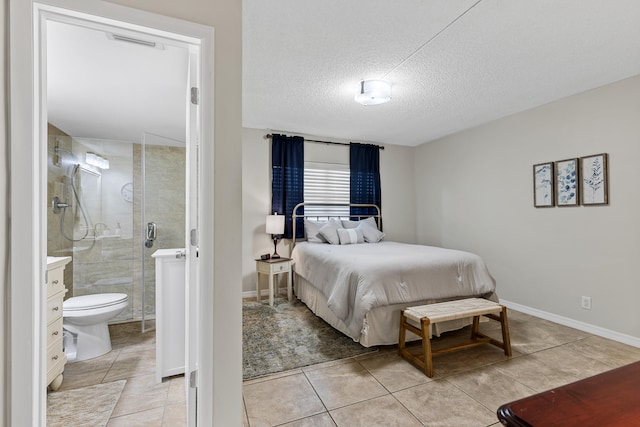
(91,302)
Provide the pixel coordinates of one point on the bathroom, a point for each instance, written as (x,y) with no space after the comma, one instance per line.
(101,227)
(95,215)
(116,162)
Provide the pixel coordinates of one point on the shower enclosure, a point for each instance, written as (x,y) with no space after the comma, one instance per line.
(103,195)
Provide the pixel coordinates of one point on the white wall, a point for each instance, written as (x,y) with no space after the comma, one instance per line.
(226,17)
(4,216)
(474,192)
(398,206)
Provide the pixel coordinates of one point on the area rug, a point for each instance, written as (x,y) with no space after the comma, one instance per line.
(288,336)
(83,407)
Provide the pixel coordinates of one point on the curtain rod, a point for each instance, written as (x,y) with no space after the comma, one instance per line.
(267,136)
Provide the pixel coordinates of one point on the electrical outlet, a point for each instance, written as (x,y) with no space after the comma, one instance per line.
(586,303)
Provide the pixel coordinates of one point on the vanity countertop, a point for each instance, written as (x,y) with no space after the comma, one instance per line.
(57,261)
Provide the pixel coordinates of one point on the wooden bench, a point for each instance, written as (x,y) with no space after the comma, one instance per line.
(417,320)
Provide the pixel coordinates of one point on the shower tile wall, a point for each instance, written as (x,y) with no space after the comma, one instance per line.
(164,204)
(105,262)
(56,244)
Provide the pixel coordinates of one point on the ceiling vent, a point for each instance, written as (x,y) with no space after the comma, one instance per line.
(132,40)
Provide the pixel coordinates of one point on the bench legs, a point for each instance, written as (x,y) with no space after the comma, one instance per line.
(426,363)
(425,360)
(504,323)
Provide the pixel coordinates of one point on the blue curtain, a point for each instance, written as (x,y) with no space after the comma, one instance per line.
(287,180)
(364,164)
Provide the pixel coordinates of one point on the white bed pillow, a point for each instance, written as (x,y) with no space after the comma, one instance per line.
(370,230)
(329,231)
(349,224)
(311,229)
(350,236)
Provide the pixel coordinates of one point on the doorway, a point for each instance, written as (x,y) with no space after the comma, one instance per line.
(120,99)
(116,181)
(29,236)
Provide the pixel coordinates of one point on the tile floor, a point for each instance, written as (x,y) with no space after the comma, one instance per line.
(381,389)
(143,402)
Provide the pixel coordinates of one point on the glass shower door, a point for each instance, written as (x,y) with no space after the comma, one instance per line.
(162,217)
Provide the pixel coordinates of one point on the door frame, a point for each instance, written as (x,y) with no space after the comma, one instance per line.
(26,400)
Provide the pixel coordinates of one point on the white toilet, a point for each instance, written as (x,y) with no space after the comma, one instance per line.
(86,318)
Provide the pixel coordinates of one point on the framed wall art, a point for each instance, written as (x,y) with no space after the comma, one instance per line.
(594,176)
(567,183)
(543,192)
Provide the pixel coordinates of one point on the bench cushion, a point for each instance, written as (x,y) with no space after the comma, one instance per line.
(451,310)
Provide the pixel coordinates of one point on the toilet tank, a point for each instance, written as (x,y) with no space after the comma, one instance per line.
(170,312)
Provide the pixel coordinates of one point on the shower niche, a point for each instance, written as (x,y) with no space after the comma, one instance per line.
(101,195)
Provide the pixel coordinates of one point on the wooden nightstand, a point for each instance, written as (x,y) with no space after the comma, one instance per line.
(272,267)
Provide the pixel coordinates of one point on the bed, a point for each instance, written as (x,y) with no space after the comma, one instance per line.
(348,275)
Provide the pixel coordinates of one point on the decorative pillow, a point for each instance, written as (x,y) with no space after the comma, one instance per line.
(329,231)
(370,230)
(349,236)
(311,229)
(349,224)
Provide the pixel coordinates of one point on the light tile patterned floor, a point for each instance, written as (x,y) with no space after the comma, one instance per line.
(132,358)
(378,389)
(381,389)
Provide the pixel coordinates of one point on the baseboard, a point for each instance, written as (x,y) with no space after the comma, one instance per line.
(263,292)
(582,326)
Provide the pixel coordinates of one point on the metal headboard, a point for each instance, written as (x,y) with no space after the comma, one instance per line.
(295,215)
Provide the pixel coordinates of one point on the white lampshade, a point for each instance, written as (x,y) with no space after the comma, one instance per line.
(275,224)
(373,92)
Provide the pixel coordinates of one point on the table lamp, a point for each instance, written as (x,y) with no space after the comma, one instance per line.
(275,227)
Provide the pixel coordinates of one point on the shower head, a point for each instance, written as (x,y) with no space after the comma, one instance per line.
(72,170)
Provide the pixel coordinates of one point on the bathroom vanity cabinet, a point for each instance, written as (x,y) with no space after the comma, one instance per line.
(170,312)
(56,359)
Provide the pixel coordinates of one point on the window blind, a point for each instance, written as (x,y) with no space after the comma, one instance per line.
(326,183)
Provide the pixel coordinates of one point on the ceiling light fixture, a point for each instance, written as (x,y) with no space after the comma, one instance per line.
(373,92)
(96,160)
(378,91)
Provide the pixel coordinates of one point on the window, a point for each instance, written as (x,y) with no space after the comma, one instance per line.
(326,183)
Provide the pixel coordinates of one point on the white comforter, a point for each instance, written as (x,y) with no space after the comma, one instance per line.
(357,278)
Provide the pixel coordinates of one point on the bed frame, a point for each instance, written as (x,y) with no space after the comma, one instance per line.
(382,322)
(295,214)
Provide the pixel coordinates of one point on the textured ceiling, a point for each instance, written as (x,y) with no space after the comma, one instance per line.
(303,59)
(453,65)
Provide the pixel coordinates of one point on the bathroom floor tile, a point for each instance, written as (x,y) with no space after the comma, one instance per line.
(177,392)
(131,364)
(88,372)
(150,418)
(141,394)
(175,416)
(142,402)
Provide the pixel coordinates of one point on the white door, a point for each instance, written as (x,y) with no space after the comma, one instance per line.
(192,314)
